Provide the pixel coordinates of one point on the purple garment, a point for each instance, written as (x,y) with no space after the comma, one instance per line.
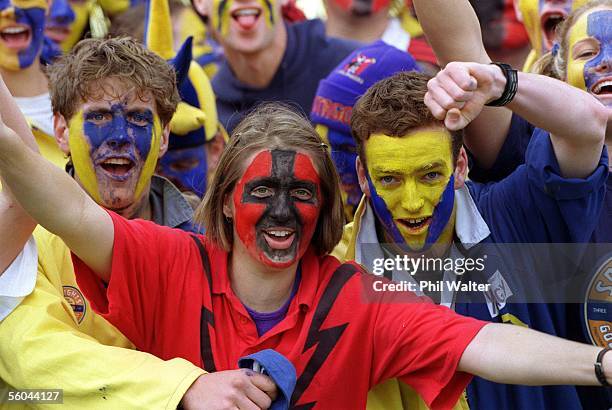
(266,321)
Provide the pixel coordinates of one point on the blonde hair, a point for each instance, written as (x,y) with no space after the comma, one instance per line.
(556,65)
(272,126)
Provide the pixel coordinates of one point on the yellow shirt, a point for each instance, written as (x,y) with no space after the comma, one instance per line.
(53,340)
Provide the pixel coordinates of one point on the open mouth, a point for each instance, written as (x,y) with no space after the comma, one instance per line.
(549,23)
(16,36)
(57,33)
(246,17)
(118,168)
(416,225)
(603,87)
(279,238)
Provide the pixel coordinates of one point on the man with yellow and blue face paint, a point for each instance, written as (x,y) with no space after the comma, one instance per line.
(265,58)
(417,201)
(541,18)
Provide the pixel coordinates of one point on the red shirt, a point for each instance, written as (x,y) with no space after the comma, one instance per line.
(170,295)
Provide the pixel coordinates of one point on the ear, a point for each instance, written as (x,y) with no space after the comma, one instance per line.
(165,138)
(461,169)
(62,133)
(361,175)
(228,207)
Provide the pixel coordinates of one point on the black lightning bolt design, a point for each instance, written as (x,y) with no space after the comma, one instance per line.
(326,339)
(206,316)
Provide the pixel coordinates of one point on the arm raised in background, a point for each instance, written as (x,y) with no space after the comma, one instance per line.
(453,31)
(51,196)
(577,130)
(15,224)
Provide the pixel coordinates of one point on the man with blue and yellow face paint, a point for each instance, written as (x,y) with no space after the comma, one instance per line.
(541,18)
(265,58)
(589,60)
(417,201)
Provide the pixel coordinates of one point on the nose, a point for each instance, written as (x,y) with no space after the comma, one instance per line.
(281,208)
(412,201)
(8,13)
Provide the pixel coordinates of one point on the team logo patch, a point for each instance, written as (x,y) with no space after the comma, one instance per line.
(597,308)
(75,298)
(354,68)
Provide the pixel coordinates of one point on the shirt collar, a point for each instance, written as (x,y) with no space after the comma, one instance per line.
(169,207)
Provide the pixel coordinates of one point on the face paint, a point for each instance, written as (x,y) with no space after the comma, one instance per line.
(277,204)
(114,150)
(186,168)
(541,18)
(21,32)
(411,185)
(60,18)
(344,154)
(224,13)
(590,54)
(81,10)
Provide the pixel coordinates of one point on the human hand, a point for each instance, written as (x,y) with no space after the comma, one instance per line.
(231,389)
(458,93)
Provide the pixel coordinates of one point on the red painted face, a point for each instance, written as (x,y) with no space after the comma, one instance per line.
(277,204)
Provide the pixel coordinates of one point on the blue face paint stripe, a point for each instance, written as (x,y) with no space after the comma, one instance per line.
(599,26)
(195,179)
(271,10)
(439,219)
(35,19)
(220,11)
(61,12)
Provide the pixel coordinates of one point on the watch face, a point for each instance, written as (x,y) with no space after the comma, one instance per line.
(597,307)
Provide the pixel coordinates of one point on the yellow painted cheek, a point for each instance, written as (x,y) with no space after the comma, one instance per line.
(575,68)
(81,158)
(220,19)
(9,60)
(81,13)
(531,20)
(151,162)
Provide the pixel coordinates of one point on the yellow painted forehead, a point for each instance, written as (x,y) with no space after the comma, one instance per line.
(28,4)
(410,153)
(579,31)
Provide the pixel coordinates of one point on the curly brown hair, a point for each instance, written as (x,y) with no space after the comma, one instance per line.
(76,76)
(272,126)
(394,106)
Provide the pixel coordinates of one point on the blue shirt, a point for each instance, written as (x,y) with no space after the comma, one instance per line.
(309,57)
(533,204)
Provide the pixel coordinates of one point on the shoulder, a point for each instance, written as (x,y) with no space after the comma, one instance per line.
(312,32)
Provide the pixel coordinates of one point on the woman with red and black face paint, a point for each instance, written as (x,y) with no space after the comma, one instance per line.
(261,279)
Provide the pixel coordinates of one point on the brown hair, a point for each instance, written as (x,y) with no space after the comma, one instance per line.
(556,65)
(394,106)
(76,76)
(272,126)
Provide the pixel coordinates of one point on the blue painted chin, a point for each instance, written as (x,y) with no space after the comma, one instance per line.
(35,19)
(439,219)
(186,168)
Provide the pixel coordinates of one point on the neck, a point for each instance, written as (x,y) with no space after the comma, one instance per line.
(140,209)
(363,29)
(261,288)
(27,82)
(258,68)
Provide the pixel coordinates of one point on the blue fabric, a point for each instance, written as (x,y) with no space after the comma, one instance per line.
(308,58)
(279,368)
(535,205)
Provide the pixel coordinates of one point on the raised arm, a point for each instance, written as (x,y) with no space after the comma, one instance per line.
(15,224)
(51,197)
(577,130)
(511,354)
(453,31)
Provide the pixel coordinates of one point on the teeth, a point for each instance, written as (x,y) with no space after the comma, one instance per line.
(601,85)
(282,234)
(117,161)
(246,12)
(416,221)
(14,30)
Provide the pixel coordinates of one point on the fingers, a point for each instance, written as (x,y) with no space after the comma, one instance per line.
(450,89)
(265,384)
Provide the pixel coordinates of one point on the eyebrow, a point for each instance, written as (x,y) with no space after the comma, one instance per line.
(426,167)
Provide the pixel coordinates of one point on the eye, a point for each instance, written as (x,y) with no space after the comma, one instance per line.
(302,194)
(98,117)
(388,180)
(262,192)
(432,176)
(138,118)
(587,53)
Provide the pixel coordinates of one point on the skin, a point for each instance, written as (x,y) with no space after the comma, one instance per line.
(118,124)
(410,174)
(60,19)
(254,53)
(590,52)
(364,27)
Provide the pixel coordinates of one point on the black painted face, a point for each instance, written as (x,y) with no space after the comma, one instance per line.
(277,204)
